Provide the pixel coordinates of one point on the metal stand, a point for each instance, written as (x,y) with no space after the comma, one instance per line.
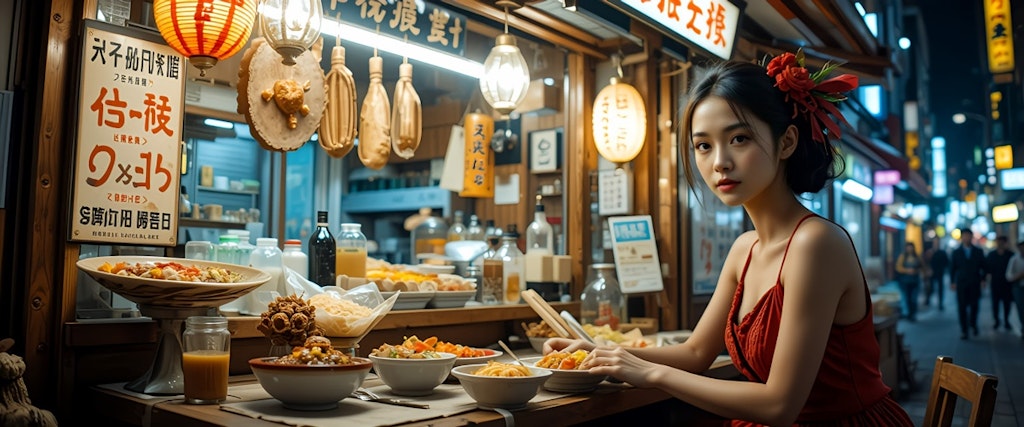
(164,376)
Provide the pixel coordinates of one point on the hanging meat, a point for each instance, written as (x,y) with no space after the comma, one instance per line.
(406,115)
(375,120)
(338,126)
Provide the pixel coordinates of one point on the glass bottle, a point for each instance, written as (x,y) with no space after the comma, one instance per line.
(492,234)
(512,265)
(474,231)
(268,258)
(491,283)
(245,246)
(429,237)
(205,359)
(227,249)
(322,253)
(602,302)
(294,258)
(350,256)
(539,235)
(458,230)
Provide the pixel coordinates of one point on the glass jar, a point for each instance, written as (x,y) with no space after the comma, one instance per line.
(350,256)
(227,249)
(206,346)
(490,286)
(429,237)
(512,266)
(602,302)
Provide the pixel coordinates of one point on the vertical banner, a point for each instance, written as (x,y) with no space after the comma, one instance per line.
(479,178)
(130,112)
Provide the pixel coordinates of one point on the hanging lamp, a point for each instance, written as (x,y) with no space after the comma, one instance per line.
(205,31)
(506,75)
(619,119)
(291,26)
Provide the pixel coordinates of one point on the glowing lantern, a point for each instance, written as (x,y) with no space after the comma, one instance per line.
(205,30)
(506,75)
(620,122)
(291,26)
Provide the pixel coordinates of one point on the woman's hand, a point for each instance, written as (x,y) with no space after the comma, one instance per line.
(621,364)
(566,345)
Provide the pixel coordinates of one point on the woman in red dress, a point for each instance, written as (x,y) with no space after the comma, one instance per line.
(791,306)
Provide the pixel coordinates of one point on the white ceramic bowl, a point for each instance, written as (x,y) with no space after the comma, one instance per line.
(488,355)
(413,377)
(410,300)
(450,299)
(500,392)
(310,387)
(538,343)
(568,380)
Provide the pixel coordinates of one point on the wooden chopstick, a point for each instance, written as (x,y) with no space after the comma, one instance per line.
(549,314)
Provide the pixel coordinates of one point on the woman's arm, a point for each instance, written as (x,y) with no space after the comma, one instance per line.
(900,261)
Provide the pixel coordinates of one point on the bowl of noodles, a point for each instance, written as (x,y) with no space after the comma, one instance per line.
(566,375)
(501,385)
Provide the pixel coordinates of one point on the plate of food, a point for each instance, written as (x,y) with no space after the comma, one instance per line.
(411,300)
(566,376)
(450,299)
(173,282)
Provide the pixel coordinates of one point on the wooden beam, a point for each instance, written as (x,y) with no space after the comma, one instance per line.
(581,161)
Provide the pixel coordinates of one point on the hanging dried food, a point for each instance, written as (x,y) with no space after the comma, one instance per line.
(375,120)
(406,116)
(338,126)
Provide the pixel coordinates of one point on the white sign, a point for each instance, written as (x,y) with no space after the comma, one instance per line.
(709,24)
(1012,179)
(636,254)
(130,111)
(614,196)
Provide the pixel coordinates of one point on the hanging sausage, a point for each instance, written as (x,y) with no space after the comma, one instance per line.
(406,115)
(375,120)
(338,126)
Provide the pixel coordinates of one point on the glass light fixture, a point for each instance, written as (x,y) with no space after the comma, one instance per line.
(204,31)
(619,119)
(506,75)
(290,26)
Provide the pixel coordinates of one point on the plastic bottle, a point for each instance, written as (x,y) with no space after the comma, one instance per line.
(294,258)
(602,302)
(322,250)
(267,257)
(227,251)
(512,266)
(458,230)
(245,246)
(350,255)
(474,231)
(539,235)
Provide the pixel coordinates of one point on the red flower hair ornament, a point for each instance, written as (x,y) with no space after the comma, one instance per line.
(810,93)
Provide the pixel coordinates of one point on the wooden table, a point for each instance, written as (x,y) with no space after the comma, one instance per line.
(604,402)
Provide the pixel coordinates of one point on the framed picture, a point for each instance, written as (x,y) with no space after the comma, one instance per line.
(545,150)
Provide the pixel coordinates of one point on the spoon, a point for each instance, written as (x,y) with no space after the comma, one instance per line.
(509,351)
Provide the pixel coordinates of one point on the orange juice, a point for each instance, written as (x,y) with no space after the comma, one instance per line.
(512,288)
(350,262)
(206,375)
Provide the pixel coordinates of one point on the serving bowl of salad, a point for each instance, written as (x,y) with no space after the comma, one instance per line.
(412,368)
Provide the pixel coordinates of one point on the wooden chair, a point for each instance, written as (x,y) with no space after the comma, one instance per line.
(950,381)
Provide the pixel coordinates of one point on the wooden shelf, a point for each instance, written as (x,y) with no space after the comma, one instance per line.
(218,190)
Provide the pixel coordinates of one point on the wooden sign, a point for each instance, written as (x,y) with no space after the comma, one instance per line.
(130,111)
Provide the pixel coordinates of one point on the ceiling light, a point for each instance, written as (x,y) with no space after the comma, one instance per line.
(506,75)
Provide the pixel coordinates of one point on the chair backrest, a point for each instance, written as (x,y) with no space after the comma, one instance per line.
(950,381)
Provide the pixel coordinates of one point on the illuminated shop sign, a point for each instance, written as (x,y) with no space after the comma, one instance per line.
(887,177)
(999,36)
(709,24)
(1012,179)
(418,22)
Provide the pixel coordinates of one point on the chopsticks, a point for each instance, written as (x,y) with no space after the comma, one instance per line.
(546,312)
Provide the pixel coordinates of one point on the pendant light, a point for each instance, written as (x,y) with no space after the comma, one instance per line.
(205,31)
(619,119)
(506,75)
(291,26)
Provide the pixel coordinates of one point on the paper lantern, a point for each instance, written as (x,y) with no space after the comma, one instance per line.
(205,30)
(506,74)
(620,122)
(291,26)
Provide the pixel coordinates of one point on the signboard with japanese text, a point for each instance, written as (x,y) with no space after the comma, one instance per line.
(999,36)
(708,24)
(636,254)
(417,21)
(130,110)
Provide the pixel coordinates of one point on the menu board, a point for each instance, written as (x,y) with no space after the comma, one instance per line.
(636,254)
(128,138)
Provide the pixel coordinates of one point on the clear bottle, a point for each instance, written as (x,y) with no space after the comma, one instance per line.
(492,234)
(322,250)
(227,249)
(294,258)
(245,246)
(205,359)
(429,237)
(269,258)
(512,266)
(539,235)
(602,302)
(458,230)
(491,288)
(474,231)
(350,255)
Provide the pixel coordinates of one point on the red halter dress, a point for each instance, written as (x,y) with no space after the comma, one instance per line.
(848,390)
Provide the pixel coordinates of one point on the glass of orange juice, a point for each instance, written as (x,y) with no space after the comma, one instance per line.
(207,352)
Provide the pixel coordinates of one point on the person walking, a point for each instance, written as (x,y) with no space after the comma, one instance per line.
(938,261)
(999,288)
(966,273)
(1015,277)
(908,269)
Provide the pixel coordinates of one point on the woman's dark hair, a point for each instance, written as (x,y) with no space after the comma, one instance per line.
(751,92)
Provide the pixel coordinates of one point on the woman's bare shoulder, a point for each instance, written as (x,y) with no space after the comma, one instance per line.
(825,241)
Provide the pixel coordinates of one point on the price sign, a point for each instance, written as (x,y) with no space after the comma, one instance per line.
(636,254)
(130,111)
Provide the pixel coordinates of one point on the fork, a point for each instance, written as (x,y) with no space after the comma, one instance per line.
(369,396)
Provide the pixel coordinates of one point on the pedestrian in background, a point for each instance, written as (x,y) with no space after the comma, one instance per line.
(908,269)
(966,274)
(999,288)
(937,261)
(1015,277)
